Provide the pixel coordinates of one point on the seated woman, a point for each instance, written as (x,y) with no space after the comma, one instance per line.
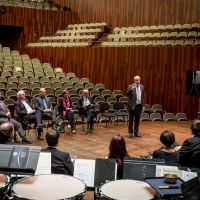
(65,109)
(167,152)
(117,150)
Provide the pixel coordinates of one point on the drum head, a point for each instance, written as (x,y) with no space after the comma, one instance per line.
(126,189)
(3,180)
(49,187)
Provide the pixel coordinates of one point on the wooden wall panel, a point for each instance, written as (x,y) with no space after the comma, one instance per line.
(35,22)
(162,69)
(135,12)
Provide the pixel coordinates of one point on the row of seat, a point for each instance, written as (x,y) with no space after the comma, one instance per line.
(59,44)
(153,43)
(154,28)
(29,4)
(166,117)
(154,36)
(86,26)
(78,32)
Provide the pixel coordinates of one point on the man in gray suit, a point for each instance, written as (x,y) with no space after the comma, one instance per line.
(44,109)
(135,104)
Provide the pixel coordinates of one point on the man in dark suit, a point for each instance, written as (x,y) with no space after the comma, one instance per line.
(135,104)
(5,117)
(26,112)
(189,153)
(44,109)
(60,161)
(86,108)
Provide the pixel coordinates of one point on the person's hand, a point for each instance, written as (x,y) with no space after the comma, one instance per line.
(85,107)
(8,114)
(47,110)
(71,111)
(177,148)
(32,111)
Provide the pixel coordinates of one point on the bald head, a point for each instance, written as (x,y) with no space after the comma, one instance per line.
(85,93)
(42,92)
(136,80)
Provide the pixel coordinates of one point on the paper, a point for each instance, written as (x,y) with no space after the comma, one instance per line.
(44,164)
(184,175)
(84,170)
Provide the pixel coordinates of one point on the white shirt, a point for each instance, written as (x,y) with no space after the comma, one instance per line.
(138,94)
(86,101)
(28,108)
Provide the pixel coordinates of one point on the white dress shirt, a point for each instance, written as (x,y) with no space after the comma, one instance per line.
(138,94)
(28,108)
(86,101)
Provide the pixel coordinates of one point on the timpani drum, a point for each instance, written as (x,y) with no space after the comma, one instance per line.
(49,187)
(126,190)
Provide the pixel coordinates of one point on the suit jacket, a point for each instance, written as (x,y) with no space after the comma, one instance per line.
(81,101)
(60,161)
(20,108)
(188,149)
(133,97)
(39,104)
(3,109)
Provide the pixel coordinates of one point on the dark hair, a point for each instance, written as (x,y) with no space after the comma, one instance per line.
(64,92)
(195,127)
(52,137)
(167,138)
(117,149)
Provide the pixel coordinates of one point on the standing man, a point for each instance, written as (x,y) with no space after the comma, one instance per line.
(135,103)
(26,112)
(44,109)
(86,108)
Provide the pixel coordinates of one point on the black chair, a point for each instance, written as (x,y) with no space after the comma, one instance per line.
(105,112)
(120,111)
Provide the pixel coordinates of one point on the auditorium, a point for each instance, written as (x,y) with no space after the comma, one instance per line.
(99,99)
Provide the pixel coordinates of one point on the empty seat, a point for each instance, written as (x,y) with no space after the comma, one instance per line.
(155,117)
(157,108)
(144,116)
(181,116)
(169,117)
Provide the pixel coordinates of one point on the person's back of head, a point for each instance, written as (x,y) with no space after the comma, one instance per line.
(117,148)
(195,127)
(52,137)
(167,138)
(6,131)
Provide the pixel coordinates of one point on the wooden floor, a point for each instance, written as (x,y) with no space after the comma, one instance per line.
(91,146)
(95,145)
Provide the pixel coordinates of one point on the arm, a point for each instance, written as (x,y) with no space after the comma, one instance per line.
(130,90)
(37,105)
(19,110)
(69,165)
(80,106)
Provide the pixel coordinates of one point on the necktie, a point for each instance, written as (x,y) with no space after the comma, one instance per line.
(45,103)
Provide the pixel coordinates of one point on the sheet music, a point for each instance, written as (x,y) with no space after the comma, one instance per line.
(184,175)
(44,164)
(161,170)
(84,170)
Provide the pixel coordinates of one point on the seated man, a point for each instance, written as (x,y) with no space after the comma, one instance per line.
(5,117)
(60,161)
(26,112)
(86,108)
(6,133)
(44,109)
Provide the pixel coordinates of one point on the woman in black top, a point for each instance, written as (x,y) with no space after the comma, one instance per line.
(117,150)
(167,152)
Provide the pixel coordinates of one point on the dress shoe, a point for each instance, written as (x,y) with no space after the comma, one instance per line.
(25,141)
(41,126)
(73,131)
(40,137)
(138,136)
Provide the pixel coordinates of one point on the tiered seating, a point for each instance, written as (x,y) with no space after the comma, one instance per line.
(74,35)
(36,4)
(169,35)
